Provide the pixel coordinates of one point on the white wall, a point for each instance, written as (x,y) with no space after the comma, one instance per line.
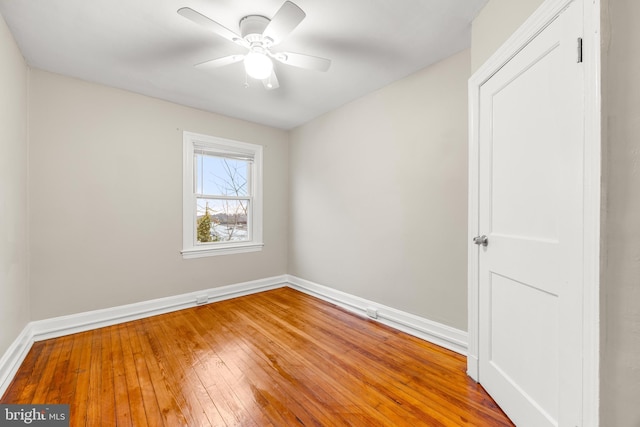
(621,269)
(379,195)
(493,26)
(106,202)
(14,286)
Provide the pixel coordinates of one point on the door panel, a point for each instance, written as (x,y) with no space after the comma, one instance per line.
(530,204)
(524,196)
(519,310)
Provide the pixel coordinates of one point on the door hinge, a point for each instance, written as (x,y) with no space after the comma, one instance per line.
(579,50)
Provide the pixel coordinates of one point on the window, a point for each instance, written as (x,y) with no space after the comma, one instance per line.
(222,196)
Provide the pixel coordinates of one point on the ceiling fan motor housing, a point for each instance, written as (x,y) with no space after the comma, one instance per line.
(251,29)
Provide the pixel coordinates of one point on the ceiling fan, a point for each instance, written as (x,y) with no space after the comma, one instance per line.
(259,34)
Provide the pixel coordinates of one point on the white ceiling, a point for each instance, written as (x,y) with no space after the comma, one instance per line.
(144,46)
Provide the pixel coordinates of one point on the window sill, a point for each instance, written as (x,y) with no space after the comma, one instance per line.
(228,249)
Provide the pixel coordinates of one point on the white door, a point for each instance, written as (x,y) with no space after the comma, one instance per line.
(530,208)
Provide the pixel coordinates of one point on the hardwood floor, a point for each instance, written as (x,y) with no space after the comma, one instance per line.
(277,358)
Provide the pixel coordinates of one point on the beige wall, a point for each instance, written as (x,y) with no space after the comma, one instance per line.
(379,195)
(106,198)
(495,24)
(621,269)
(14,290)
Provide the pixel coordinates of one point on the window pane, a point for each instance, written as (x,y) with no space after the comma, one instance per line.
(222,220)
(221,176)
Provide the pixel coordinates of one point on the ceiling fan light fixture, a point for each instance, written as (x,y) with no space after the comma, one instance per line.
(258,65)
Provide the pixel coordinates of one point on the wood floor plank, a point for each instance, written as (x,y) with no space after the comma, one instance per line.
(276,358)
(25,381)
(150,399)
(132,380)
(128,402)
(77,398)
(92,415)
(107,400)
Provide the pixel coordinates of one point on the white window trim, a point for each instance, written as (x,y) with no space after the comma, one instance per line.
(190,142)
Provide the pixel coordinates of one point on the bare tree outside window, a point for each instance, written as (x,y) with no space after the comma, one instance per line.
(224,202)
(235,182)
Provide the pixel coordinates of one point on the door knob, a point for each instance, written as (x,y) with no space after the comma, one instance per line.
(481,240)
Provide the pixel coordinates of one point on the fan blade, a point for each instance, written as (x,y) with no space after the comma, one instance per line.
(285,20)
(271,82)
(303,61)
(211,25)
(219,62)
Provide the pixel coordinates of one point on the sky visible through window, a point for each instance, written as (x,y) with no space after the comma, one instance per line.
(220,176)
(226,177)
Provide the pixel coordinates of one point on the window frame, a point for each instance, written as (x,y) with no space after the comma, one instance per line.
(193,142)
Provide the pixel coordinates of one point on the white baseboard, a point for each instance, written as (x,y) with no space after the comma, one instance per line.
(14,356)
(428,330)
(39,330)
(80,322)
(59,326)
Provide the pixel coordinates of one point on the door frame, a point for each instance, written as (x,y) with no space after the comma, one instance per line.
(539,20)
